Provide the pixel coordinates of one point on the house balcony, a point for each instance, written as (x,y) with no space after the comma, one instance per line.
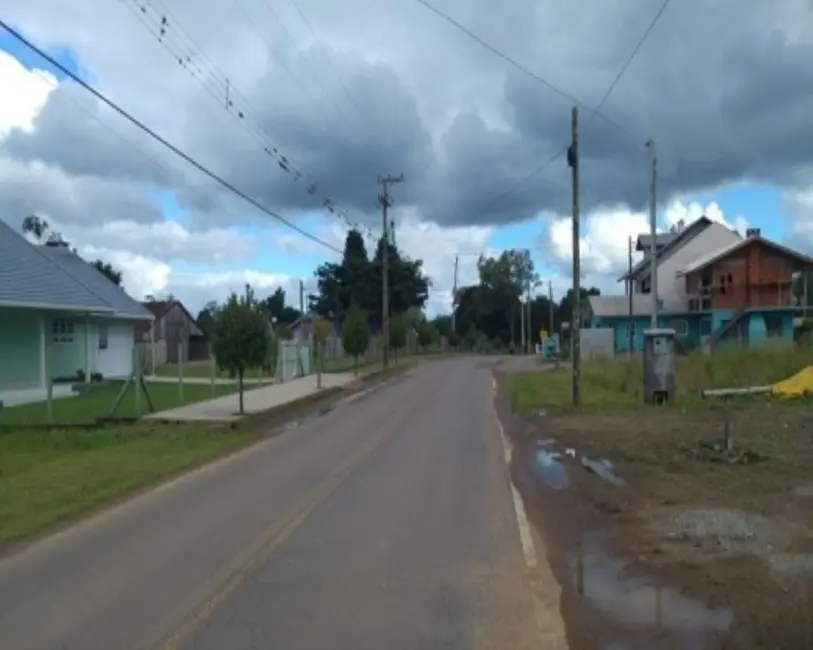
(752,296)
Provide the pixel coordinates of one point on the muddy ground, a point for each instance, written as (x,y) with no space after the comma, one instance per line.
(660,537)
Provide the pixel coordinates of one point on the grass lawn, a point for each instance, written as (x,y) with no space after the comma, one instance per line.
(618,382)
(97,403)
(200,369)
(47,476)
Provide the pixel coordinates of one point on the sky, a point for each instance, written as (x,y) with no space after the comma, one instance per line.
(298,101)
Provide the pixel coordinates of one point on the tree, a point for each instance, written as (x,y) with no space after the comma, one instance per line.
(454,340)
(206,318)
(506,278)
(426,335)
(355,333)
(398,333)
(37,226)
(109,271)
(242,337)
(321,331)
(274,305)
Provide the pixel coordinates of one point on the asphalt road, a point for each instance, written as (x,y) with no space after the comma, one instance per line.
(387,523)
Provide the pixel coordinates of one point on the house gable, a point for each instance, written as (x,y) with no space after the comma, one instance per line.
(673,243)
(31,278)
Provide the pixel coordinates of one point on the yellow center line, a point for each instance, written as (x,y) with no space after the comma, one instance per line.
(275,535)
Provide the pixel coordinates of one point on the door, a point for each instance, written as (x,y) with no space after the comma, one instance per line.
(116,342)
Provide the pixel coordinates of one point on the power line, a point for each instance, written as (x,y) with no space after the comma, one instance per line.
(596,111)
(325,54)
(519,66)
(241,111)
(101,97)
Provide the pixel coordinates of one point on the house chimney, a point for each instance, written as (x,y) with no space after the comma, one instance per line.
(752,232)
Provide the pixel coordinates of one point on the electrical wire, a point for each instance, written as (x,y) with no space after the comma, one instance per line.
(324,53)
(519,66)
(191,57)
(178,152)
(594,112)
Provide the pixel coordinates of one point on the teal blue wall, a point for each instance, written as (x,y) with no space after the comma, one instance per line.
(753,326)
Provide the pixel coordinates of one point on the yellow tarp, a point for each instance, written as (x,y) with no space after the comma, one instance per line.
(800,385)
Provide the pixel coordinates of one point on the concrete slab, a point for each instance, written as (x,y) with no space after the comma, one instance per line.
(224,409)
(206,381)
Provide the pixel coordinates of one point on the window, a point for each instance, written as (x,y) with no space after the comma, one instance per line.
(630,329)
(62,331)
(102,337)
(722,284)
(681,327)
(705,327)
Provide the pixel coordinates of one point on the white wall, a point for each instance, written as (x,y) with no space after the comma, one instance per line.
(672,290)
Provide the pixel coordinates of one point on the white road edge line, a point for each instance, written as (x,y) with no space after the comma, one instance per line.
(525,536)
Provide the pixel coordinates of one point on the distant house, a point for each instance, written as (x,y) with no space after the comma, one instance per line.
(302,328)
(173,326)
(674,251)
(714,288)
(59,315)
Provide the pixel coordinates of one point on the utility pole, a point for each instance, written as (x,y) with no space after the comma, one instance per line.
(301,297)
(522,320)
(630,323)
(386,203)
(575,321)
(454,294)
(653,231)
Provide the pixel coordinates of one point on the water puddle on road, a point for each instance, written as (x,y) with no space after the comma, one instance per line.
(639,604)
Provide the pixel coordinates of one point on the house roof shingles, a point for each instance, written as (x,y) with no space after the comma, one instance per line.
(97,282)
(723,251)
(33,276)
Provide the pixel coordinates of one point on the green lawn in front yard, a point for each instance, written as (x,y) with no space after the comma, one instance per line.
(96,403)
(48,476)
(204,369)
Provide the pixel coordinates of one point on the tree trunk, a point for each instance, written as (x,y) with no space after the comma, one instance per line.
(240,374)
(512,324)
(356,365)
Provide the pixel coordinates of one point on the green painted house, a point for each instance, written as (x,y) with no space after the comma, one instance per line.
(59,315)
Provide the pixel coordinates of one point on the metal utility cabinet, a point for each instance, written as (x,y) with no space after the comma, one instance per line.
(659,366)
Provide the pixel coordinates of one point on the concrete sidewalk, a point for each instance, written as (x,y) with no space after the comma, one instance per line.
(206,381)
(225,409)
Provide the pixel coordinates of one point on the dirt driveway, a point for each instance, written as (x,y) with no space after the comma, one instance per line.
(660,538)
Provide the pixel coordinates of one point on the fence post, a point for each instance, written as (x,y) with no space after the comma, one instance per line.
(136,379)
(212,373)
(180,373)
(49,382)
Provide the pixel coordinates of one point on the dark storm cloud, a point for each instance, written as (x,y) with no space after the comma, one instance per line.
(725,90)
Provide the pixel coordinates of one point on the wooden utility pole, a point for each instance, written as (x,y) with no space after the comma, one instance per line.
(630,324)
(301,297)
(522,320)
(386,202)
(653,231)
(575,321)
(454,294)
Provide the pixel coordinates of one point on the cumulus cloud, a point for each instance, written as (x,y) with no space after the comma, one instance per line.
(406,94)
(605,235)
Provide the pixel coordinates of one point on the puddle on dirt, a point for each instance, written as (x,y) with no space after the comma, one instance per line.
(546,465)
(306,419)
(638,603)
(603,469)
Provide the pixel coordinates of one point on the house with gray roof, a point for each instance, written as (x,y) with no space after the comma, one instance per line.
(58,316)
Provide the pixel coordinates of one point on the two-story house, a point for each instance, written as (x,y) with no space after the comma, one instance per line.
(713,286)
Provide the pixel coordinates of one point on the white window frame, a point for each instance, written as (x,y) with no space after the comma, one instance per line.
(62,330)
(679,331)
